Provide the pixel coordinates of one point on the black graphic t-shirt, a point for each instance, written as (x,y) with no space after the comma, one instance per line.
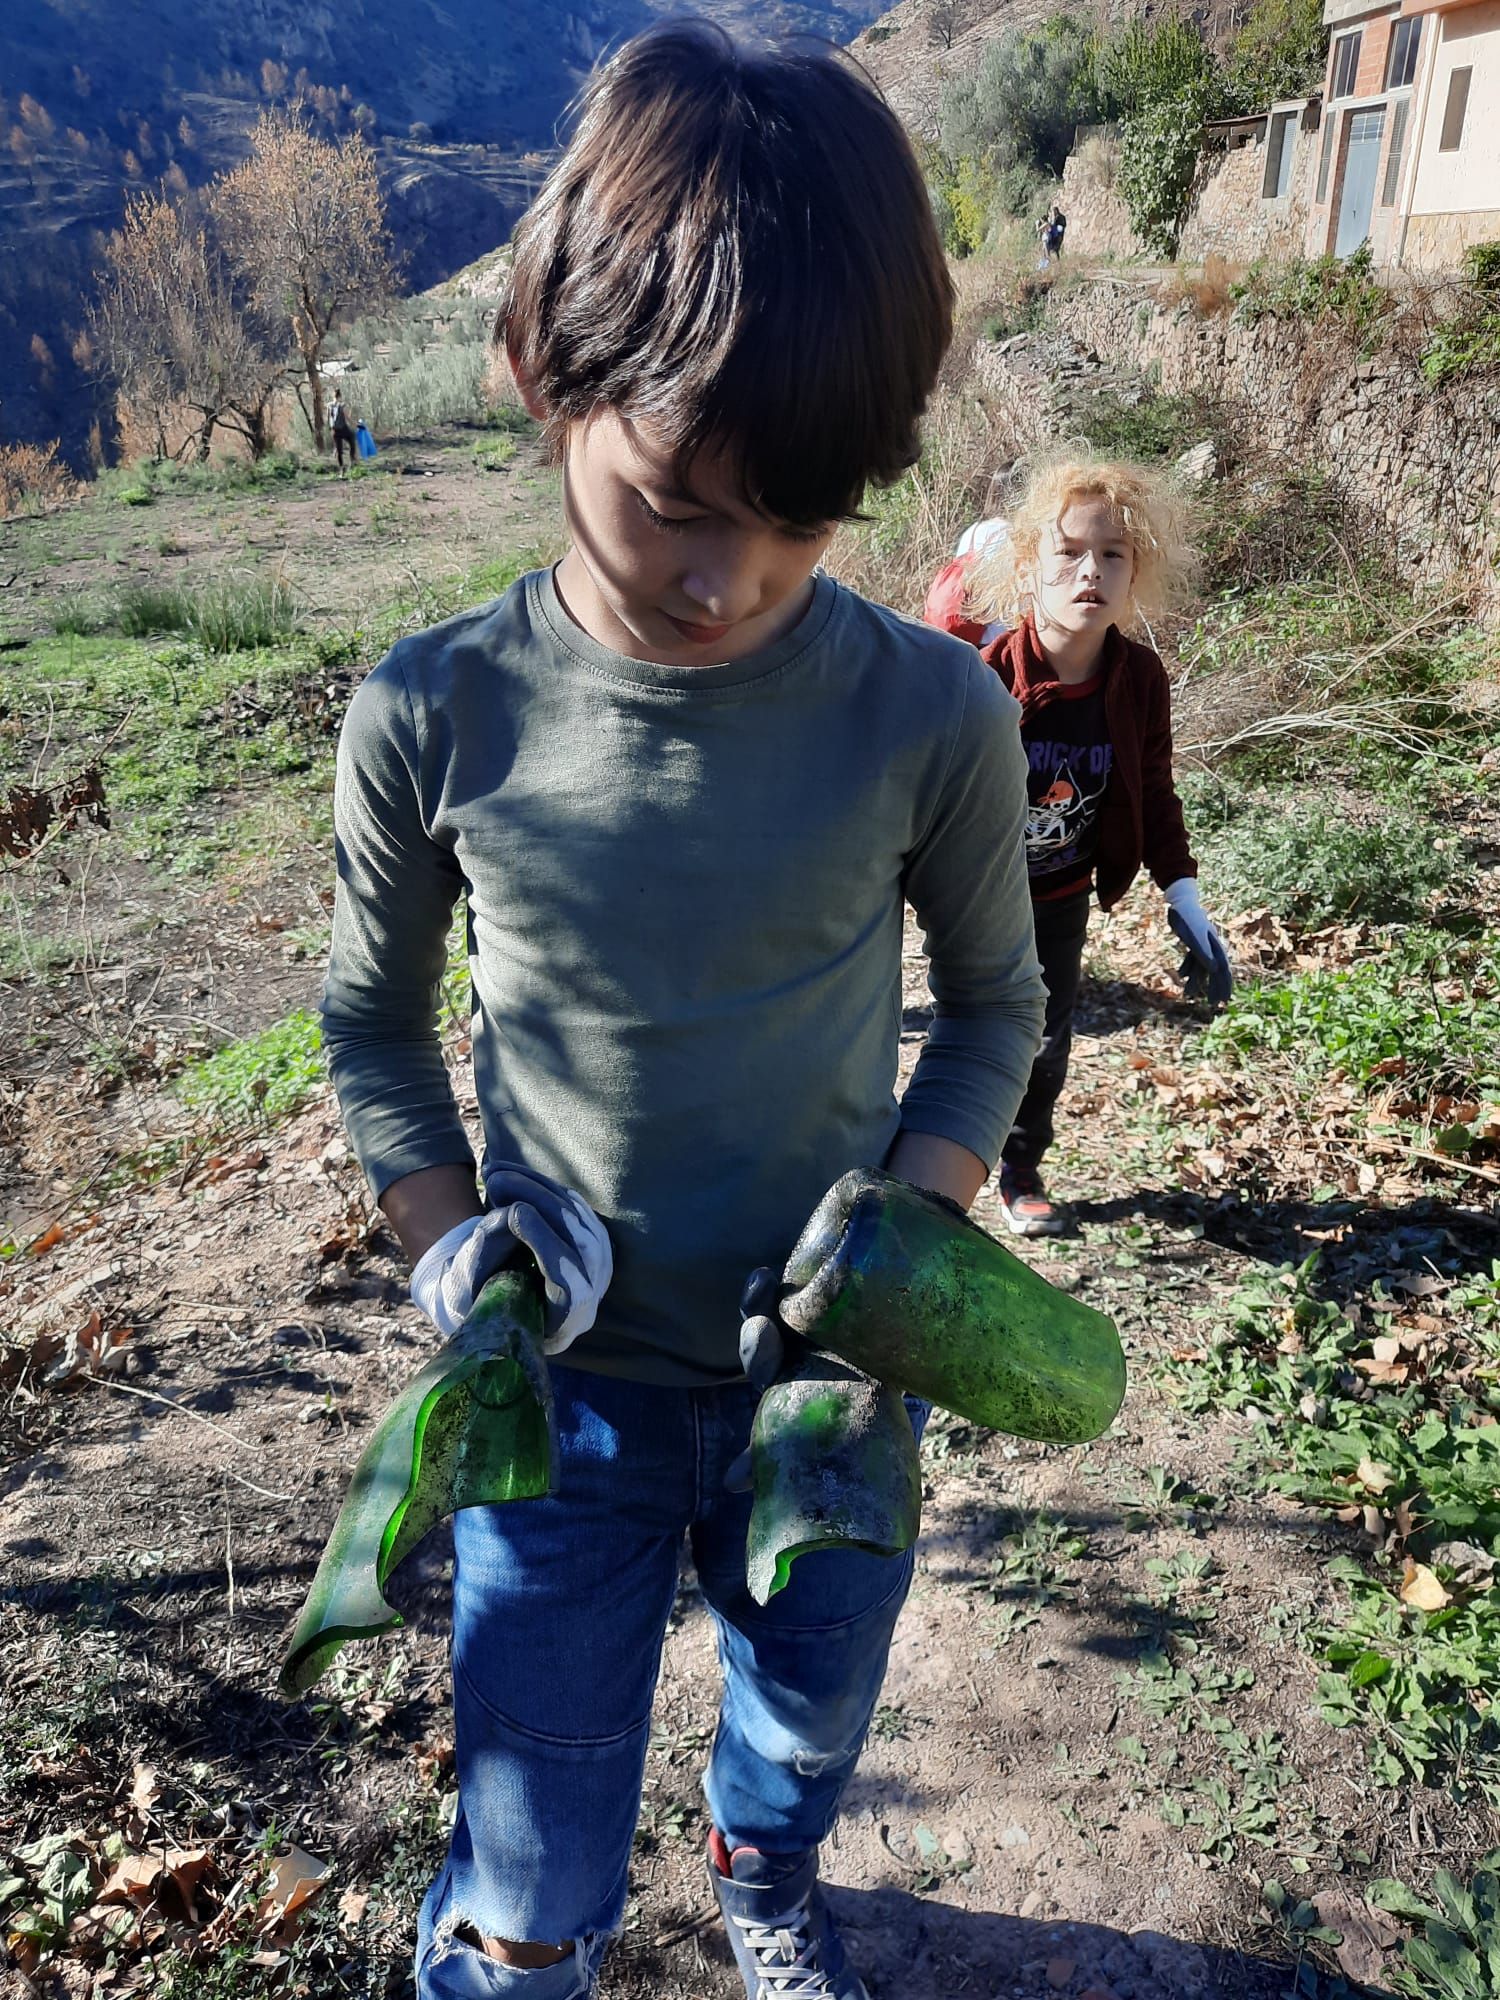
(1068,764)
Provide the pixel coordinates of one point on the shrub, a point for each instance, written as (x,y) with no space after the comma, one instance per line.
(33,479)
(1279,52)
(440,385)
(1314,868)
(1315,289)
(1274,524)
(1159,151)
(1155,427)
(1468,342)
(1318,674)
(1020,104)
(1166,81)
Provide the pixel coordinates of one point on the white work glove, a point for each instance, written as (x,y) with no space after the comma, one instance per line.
(527,1213)
(1205,971)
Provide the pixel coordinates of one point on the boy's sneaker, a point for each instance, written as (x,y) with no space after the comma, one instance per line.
(783,1938)
(1025,1205)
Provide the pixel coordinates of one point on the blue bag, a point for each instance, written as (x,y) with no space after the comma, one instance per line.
(364,444)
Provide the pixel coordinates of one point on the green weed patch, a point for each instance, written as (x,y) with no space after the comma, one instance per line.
(1369,1414)
(260,1080)
(1315,289)
(1152,427)
(1312,868)
(1423,1013)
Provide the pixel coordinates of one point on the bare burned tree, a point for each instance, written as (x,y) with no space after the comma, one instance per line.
(170,330)
(304,220)
(942,23)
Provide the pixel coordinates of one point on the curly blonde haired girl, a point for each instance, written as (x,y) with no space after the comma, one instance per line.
(1151,516)
(1095,548)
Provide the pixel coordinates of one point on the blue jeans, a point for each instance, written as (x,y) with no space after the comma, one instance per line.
(559,1610)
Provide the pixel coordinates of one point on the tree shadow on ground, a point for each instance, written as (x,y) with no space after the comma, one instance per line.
(1358,1240)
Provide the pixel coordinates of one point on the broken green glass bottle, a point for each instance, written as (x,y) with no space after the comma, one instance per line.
(906,1290)
(902,1285)
(474,1427)
(833,1464)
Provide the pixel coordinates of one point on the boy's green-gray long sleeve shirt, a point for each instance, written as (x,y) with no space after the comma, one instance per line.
(685,892)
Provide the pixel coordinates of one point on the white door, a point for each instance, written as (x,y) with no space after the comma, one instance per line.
(1361,158)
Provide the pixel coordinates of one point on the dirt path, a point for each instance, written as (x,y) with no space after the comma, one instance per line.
(1094,1641)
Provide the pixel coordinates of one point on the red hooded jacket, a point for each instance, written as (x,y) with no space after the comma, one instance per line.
(1140,820)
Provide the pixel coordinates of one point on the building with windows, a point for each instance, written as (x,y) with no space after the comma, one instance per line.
(1408,153)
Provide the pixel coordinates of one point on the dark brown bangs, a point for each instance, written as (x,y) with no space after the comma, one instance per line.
(738,253)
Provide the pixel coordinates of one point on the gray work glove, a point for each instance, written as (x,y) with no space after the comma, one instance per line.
(528,1214)
(767,1349)
(1205,972)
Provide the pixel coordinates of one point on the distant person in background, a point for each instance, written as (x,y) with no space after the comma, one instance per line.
(343,429)
(1057,227)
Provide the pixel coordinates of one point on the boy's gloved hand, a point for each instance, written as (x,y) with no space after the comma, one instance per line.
(764,1351)
(527,1212)
(763,1338)
(1205,971)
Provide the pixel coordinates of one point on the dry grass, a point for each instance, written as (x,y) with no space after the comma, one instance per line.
(1096,163)
(1208,290)
(33,479)
(912,526)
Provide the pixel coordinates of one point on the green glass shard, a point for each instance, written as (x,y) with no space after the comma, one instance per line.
(833,1465)
(474,1427)
(902,1285)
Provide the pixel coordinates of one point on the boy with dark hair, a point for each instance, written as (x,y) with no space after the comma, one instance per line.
(683,782)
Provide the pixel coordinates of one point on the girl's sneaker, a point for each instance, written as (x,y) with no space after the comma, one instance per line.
(1025,1205)
(783,1938)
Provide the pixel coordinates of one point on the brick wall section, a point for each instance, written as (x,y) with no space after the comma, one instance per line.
(1369,77)
(1425,462)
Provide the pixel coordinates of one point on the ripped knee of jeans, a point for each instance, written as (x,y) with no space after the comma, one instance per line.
(458,1932)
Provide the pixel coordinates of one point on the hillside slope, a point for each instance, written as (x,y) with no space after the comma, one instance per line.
(100,96)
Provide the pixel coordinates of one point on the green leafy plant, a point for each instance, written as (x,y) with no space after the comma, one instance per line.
(1166,81)
(1280,52)
(1318,288)
(1457,1956)
(1322,867)
(1418,1682)
(1149,427)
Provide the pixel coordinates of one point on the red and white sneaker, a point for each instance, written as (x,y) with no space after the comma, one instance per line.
(1025,1204)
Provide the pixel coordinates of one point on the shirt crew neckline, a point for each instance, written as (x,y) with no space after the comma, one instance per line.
(548,607)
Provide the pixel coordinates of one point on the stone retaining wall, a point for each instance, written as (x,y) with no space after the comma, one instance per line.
(1424,461)
(1098,221)
(1229,216)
